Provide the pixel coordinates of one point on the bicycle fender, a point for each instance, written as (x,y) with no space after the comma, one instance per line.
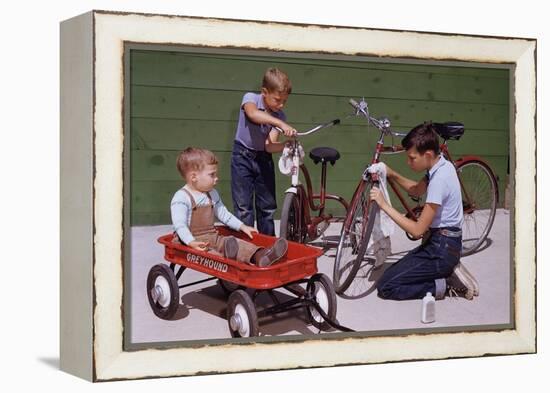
(293,190)
(470,158)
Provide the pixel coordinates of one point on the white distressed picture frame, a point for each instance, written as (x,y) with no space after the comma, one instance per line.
(92,117)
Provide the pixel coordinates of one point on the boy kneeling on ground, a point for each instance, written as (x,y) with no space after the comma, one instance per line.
(434,266)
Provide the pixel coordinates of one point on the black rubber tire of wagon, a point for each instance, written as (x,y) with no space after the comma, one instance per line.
(168,311)
(241,298)
(332,304)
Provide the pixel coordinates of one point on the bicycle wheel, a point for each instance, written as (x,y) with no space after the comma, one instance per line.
(479,202)
(292,227)
(354,237)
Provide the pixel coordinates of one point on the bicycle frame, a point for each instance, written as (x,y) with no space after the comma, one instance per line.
(382,149)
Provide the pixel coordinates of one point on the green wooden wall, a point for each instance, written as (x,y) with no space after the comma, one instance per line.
(181,99)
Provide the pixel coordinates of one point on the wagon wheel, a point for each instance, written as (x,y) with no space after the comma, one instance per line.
(320,289)
(228,287)
(163,291)
(241,315)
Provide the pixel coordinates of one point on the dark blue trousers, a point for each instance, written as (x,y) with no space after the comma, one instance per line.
(253,187)
(414,275)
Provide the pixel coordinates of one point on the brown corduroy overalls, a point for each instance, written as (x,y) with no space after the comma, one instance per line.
(203,229)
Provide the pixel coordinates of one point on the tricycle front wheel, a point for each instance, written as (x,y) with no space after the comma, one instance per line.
(292,226)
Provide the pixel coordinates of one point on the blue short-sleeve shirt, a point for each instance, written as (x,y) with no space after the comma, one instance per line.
(444,190)
(250,134)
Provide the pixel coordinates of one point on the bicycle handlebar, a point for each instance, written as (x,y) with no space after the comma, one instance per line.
(360,108)
(314,129)
(383,124)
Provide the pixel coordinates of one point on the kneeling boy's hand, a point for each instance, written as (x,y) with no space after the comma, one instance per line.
(248,230)
(202,246)
(377,196)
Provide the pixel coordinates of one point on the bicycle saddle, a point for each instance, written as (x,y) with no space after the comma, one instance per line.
(449,130)
(324,154)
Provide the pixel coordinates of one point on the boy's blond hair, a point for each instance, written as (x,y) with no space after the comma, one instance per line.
(276,80)
(194,159)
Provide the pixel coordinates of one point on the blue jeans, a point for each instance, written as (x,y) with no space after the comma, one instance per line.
(415,274)
(253,186)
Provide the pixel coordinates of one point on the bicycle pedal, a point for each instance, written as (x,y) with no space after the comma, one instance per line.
(322,227)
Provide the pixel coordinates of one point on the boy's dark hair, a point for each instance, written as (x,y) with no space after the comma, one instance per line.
(194,159)
(276,80)
(423,137)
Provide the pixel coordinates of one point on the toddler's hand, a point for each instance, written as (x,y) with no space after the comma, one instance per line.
(202,246)
(248,230)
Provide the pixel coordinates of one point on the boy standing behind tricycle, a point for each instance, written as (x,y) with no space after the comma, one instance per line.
(252,170)
(196,205)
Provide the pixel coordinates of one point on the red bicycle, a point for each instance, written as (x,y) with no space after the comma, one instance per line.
(479,199)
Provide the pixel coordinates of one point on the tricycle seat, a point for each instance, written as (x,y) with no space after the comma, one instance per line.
(324,154)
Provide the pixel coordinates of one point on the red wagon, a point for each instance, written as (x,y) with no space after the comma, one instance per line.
(243,282)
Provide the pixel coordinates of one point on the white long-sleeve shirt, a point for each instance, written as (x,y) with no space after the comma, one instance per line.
(181,211)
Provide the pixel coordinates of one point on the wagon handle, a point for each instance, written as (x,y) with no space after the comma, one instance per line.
(332,323)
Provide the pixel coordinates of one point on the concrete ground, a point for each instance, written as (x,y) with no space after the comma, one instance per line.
(201,314)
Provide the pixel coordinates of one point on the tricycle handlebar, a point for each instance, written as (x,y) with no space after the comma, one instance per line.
(314,129)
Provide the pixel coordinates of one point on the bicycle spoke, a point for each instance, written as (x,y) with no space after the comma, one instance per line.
(479,199)
(364,281)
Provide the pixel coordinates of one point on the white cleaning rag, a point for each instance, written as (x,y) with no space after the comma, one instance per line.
(285,161)
(379,242)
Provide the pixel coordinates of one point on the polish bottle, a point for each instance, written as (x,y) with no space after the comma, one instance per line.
(428,308)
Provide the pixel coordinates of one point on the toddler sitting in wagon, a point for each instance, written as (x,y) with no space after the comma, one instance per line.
(195,206)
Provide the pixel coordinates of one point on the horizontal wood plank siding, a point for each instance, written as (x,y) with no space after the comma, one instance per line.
(181,99)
